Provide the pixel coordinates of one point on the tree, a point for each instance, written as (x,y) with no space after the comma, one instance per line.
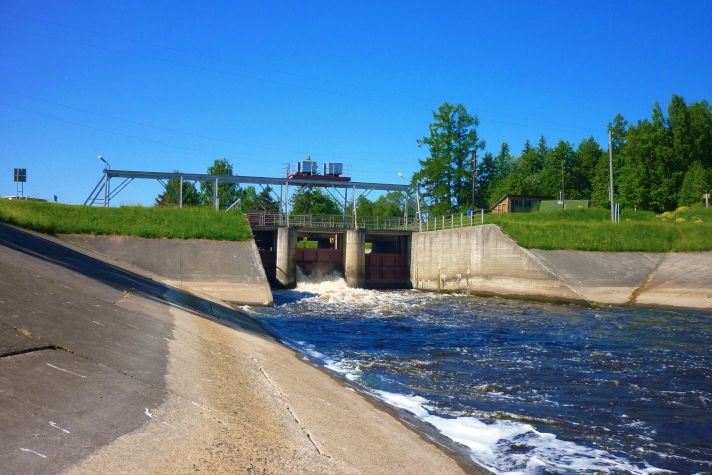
(171,195)
(658,163)
(486,174)
(679,123)
(582,169)
(503,168)
(619,129)
(696,182)
(634,177)
(601,183)
(526,176)
(557,161)
(700,115)
(262,202)
(389,205)
(364,206)
(228,193)
(446,174)
(310,200)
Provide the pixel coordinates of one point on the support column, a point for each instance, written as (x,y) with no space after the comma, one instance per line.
(355,258)
(286,257)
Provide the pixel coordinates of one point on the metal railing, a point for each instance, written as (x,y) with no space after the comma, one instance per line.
(322,221)
(438,223)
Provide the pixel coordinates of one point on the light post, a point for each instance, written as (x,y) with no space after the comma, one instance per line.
(611,190)
(474,178)
(106,181)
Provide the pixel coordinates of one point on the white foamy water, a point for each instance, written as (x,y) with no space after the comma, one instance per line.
(333,289)
(491,443)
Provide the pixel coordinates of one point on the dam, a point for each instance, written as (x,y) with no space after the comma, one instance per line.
(393,253)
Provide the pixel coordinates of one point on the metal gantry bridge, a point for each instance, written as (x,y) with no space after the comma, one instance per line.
(339,189)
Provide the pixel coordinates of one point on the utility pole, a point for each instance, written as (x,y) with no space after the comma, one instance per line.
(563,198)
(474,177)
(610,168)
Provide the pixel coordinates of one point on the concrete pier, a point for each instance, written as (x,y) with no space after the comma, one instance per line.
(355,258)
(287,257)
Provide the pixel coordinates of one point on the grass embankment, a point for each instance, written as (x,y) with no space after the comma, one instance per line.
(185,223)
(684,230)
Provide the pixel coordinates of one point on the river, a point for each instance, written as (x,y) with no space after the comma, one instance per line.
(522,387)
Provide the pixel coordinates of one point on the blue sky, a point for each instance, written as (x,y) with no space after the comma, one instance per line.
(163,86)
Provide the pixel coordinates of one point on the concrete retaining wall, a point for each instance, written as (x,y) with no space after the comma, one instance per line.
(480,259)
(227,270)
(483,259)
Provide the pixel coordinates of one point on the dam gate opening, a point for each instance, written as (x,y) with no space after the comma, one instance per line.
(378,259)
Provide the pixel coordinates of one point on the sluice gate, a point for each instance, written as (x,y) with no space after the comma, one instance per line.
(322,261)
(378,259)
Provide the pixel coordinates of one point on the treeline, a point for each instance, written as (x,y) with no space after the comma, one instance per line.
(658,163)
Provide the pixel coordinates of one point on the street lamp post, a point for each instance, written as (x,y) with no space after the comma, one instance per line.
(106,181)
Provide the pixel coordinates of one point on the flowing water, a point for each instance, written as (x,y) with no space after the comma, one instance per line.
(524,387)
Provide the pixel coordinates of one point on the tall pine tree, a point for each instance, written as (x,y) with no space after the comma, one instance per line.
(447,173)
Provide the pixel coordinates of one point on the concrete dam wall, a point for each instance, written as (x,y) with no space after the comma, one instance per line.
(478,260)
(485,260)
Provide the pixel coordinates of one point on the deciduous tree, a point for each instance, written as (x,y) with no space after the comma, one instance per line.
(262,202)
(172,195)
(697,181)
(228,193)
(311,200)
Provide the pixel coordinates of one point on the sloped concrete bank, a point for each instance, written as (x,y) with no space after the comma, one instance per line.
(105,370)
(483,259)
(225,270)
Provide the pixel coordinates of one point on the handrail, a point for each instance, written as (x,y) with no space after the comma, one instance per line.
(338,221)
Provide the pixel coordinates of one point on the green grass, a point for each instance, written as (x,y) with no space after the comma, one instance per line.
(685,230)
(185,223)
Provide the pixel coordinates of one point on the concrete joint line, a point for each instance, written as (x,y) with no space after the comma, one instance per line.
(294,416)
(30,350)
(554,275)
(634,296)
